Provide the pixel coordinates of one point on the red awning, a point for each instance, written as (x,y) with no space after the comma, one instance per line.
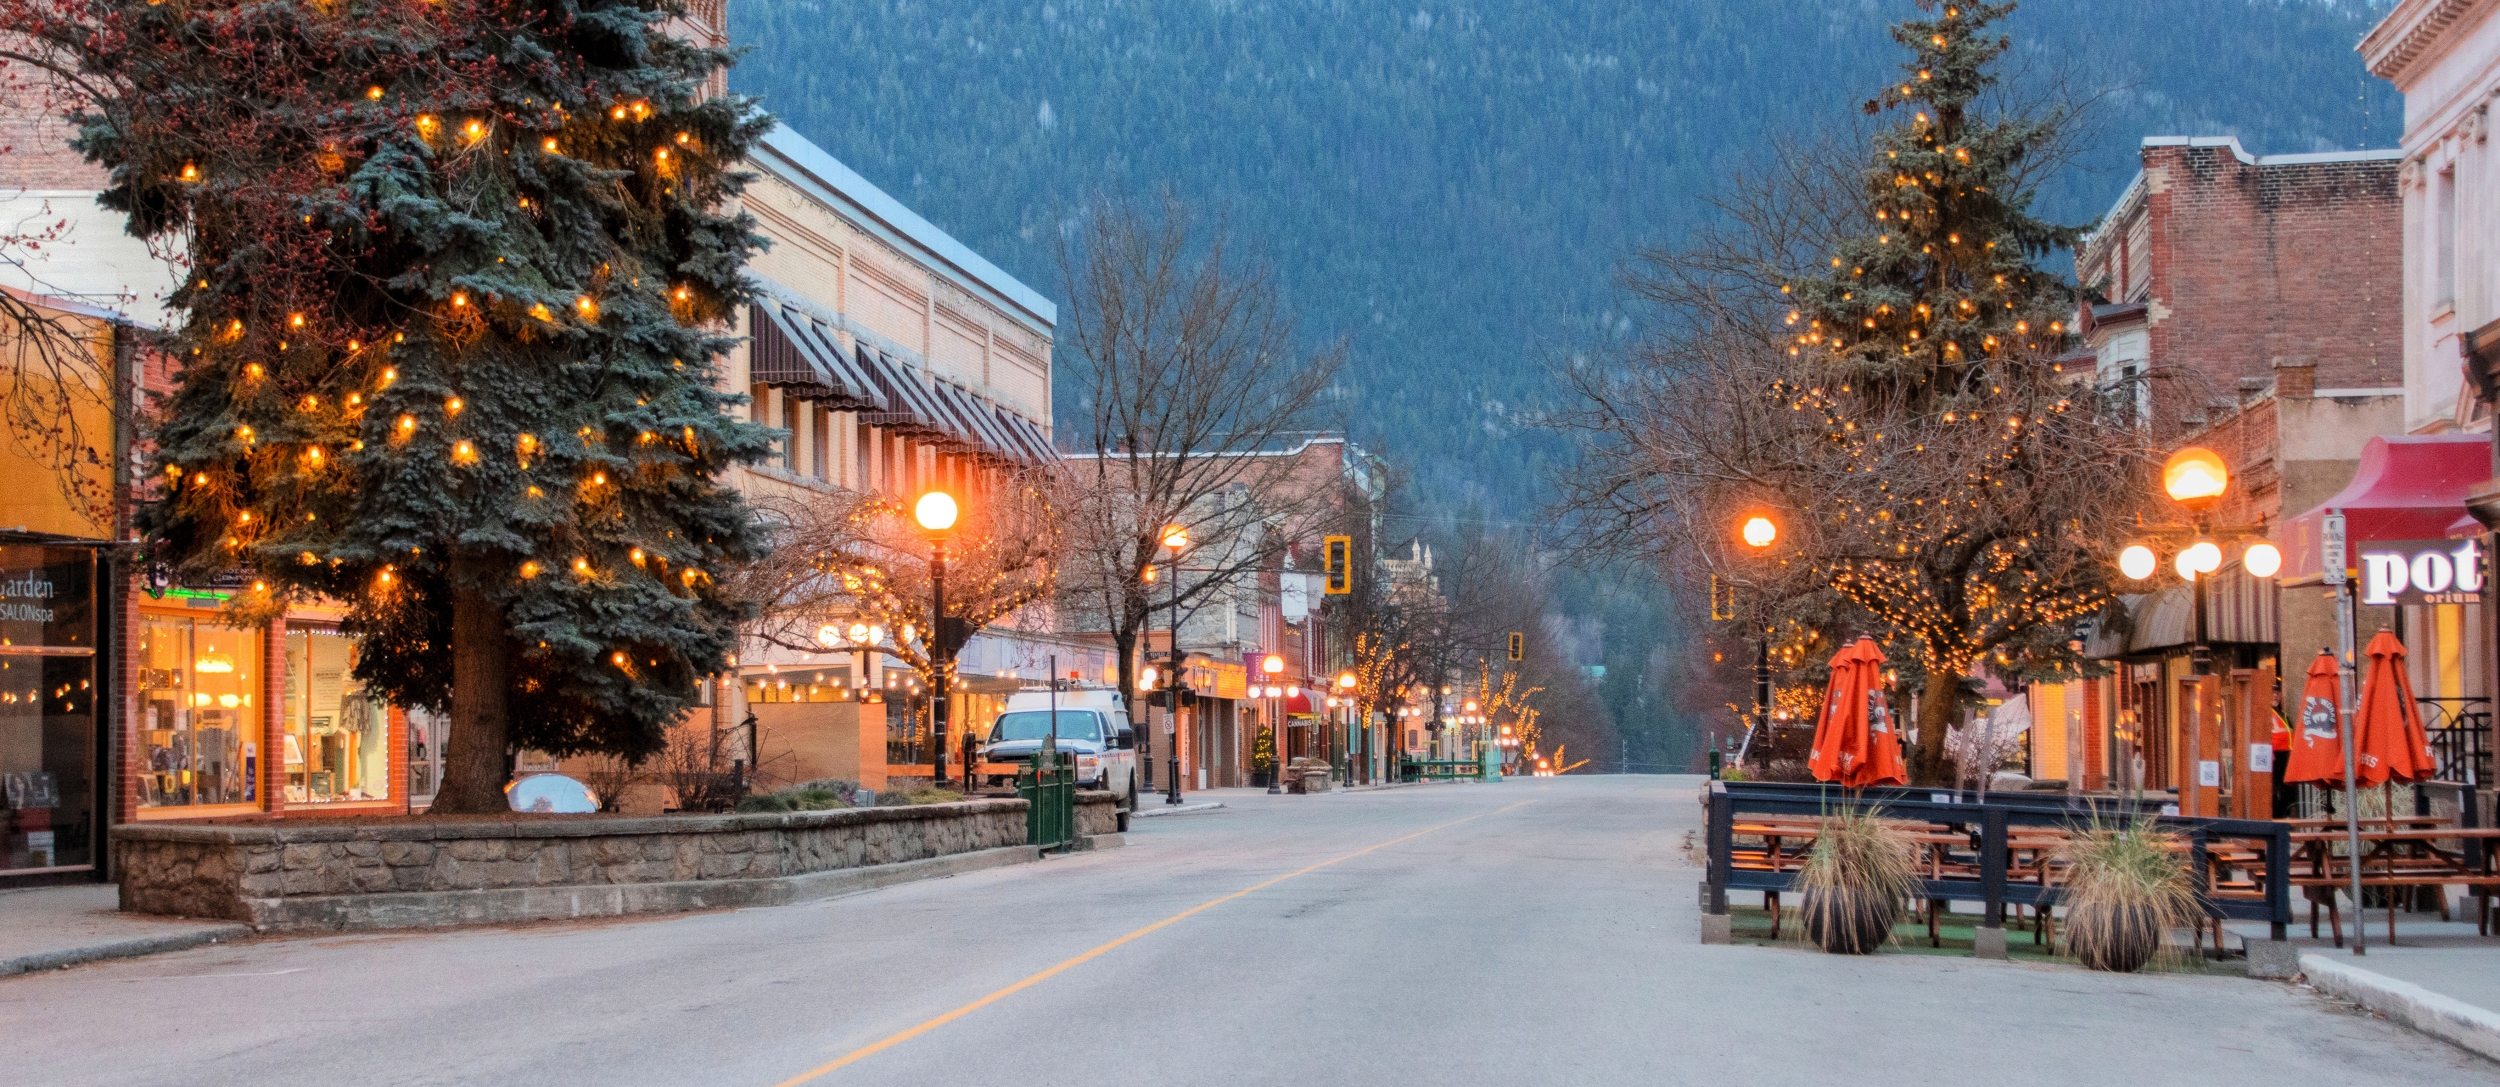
(2407,488)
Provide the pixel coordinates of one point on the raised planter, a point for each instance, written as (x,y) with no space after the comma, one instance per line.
(391,874)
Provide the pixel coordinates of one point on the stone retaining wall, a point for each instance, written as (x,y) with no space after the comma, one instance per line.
(401,874)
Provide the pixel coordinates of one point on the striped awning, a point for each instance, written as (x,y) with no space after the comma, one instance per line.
(801,356)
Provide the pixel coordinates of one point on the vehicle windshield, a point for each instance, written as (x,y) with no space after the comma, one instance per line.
(1034,724)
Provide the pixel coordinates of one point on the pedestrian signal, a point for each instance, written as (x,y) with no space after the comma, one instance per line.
(1722,600)
(1518,645)
(1337,557)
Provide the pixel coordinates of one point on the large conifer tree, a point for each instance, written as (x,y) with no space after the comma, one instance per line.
(1970,486)
(459,277)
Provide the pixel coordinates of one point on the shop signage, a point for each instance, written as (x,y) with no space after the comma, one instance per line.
(46,599)
(2422,572)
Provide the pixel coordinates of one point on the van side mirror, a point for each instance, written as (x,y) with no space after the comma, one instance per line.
(1126,740)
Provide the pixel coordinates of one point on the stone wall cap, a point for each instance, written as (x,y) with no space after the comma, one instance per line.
(417,828)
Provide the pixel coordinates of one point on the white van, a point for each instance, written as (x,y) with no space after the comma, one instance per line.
(1093,724)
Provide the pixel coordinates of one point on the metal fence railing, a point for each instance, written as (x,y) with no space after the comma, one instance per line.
(2460,737)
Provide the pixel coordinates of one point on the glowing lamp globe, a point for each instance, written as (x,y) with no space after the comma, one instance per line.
(2195,476)
(828,635)
(935,511)
(2138,562)
(1175,537)
(1273,665)
(1345,681)
(2262,560)
(2205,555)
(1760,531)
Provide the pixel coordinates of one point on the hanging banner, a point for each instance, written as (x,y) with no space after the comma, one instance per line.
(2421,572)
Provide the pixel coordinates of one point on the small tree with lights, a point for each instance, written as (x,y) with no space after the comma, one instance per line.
(458,275)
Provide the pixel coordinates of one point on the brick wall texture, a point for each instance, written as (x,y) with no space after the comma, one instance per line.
(2256,263)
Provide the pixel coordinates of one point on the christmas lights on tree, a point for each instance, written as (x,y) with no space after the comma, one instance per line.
(423,236)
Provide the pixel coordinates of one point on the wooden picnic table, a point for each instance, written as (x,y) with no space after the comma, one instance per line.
(2395,858)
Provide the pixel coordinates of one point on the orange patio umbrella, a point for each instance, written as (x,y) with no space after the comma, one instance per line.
(2389,744)
(2317,752)
(1854,742)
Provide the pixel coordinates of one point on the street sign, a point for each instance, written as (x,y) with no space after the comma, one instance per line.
(2335,553)
(1337,557)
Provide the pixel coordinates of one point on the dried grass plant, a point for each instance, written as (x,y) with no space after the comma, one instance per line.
(1854,882)
(2126,888)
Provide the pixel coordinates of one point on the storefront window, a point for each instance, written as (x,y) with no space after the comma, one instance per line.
(426,731)
(198,712)
(47,707)
(336,737)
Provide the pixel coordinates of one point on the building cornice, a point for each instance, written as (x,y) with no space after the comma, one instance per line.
(2410,30)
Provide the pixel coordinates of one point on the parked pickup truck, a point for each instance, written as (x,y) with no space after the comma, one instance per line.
(1092,723)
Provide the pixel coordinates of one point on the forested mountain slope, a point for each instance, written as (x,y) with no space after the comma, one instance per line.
(1454,186)
(1457,187)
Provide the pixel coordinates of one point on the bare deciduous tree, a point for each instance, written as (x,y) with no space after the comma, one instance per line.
(1188,368)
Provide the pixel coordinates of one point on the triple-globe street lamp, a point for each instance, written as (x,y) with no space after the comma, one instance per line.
(2196,479)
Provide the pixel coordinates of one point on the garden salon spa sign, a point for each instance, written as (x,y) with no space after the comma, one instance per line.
(2422,572)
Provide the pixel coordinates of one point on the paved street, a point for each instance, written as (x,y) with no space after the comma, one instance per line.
(1534,932)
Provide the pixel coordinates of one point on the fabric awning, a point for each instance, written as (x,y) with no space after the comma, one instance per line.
(1030,436)
(2410,487)
(2239,610)
(906,402)
(800,355)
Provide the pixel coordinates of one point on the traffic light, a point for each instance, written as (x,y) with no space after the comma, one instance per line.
(1337,557)
(1518,646)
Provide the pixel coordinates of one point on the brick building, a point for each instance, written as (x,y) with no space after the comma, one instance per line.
(2246,304)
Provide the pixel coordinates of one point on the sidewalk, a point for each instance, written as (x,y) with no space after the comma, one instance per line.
(42,928)
(2438,978)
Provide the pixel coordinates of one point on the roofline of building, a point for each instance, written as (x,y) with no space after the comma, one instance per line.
(2408,32)
(1308,440)
(795,159)
(2384,154)
(2314,158)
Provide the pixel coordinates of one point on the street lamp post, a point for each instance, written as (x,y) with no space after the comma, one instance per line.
(936,513)
(1760,532)
(1273,666)
(1345,694)
(1175,541)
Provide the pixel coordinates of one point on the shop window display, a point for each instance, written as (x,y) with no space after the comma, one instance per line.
(47,707)
(198,712)
(426,731)
(336,736)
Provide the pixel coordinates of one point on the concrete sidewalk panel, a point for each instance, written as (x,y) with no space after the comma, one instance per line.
(2442,1017)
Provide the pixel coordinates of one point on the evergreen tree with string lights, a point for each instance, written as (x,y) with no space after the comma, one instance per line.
(459,272)
(1969,489)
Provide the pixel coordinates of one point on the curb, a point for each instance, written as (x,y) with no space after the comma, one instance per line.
(1184,809)
(121,949)
(2443,1017)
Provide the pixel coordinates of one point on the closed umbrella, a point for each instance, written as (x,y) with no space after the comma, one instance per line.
(2389,745)
(1854,742)
(2317,741)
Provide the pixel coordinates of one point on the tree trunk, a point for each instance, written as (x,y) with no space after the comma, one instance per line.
(476,756)
(1936,709)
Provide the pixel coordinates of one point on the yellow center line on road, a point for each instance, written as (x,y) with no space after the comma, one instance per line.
(892,1040)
